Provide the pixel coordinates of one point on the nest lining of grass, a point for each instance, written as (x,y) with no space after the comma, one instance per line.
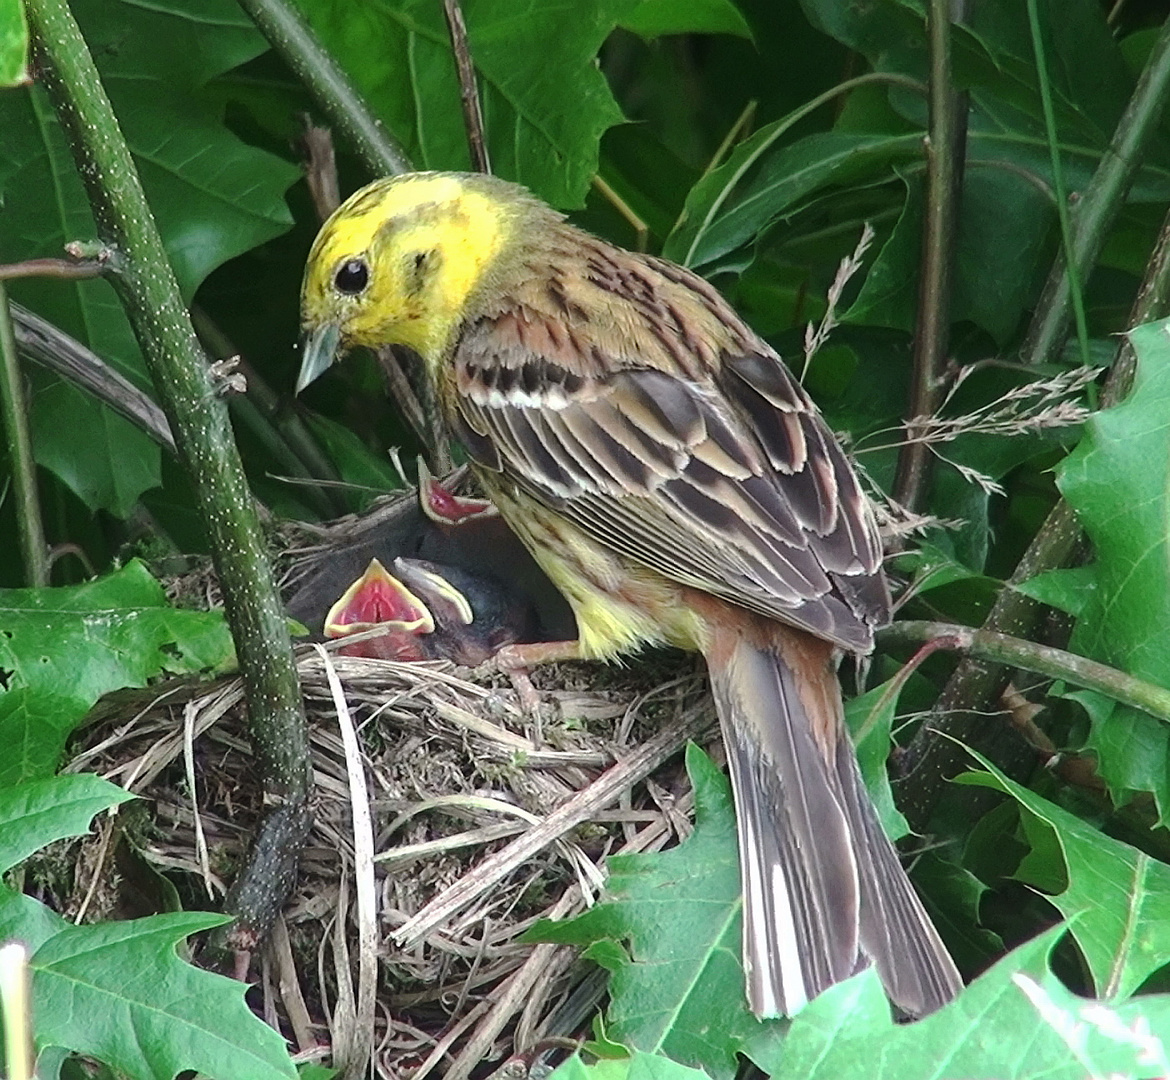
(476,822)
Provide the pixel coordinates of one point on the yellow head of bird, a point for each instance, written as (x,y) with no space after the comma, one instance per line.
(396,263)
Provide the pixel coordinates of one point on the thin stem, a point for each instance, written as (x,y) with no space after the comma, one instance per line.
(1101,202)
(1073,272)
(641,229)
(283,432)
(930,761)
(1035,179)
(734,134)
(337,97)
(1041,659)
(198,418)
(424,419)
(43,343)
(1152,302)
(321,168)
(66,269)
(468,91)
(33,550)
(945,151)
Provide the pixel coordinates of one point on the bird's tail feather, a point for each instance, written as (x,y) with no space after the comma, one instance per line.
(896,933)
(824,892)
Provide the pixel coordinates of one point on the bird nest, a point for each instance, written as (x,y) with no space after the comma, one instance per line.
(448,821)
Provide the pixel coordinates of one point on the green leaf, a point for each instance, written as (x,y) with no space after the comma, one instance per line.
(733,204)
(952,895)
(31,816)
(932,568)
(1006,215)
(118,992)
(1131,747)
(1117,898)
(1070,589)
(1118,482)
(654,18)
(312,1071)
(212,196)
(669,926)
(36,814)
(874,30)
(638,1066)
(870,719)
(35,725)
(370,473)
(993,1029)
(679,988)
(27,920)
(1003,225)
(545,102)
(13,44)
(889,293)
(1016,1022)
(993,56)
(114,631)
(1088,77)
(104,459)
(110,633)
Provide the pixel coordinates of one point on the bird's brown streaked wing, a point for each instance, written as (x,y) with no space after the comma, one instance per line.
(752,501)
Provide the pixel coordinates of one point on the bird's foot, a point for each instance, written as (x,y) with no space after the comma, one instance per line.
(515,661)
(533,654)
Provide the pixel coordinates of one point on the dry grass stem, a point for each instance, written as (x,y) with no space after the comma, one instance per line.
(189,715)
(289,987)
(637,766)
(1041,405)
(816,336)
(354,1053)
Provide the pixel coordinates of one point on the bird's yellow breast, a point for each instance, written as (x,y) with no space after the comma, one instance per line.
(619,606)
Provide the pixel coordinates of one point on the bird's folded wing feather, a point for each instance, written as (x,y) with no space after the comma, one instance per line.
(733,485)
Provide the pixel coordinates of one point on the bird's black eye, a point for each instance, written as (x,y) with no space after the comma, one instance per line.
(352,276)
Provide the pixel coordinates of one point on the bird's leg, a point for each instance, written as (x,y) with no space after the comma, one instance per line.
(516,660)
(534,653)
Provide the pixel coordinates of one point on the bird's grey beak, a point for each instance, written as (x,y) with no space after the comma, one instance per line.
(320,350)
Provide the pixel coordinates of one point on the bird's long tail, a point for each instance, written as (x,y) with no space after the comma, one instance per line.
(824,891)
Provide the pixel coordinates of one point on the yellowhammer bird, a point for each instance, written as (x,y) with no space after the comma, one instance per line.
(680,488)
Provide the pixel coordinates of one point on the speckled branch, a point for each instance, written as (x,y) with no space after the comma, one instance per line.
(1040,659)
(198,418)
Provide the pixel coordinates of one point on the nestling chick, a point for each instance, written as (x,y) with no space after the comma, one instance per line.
(428,612)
